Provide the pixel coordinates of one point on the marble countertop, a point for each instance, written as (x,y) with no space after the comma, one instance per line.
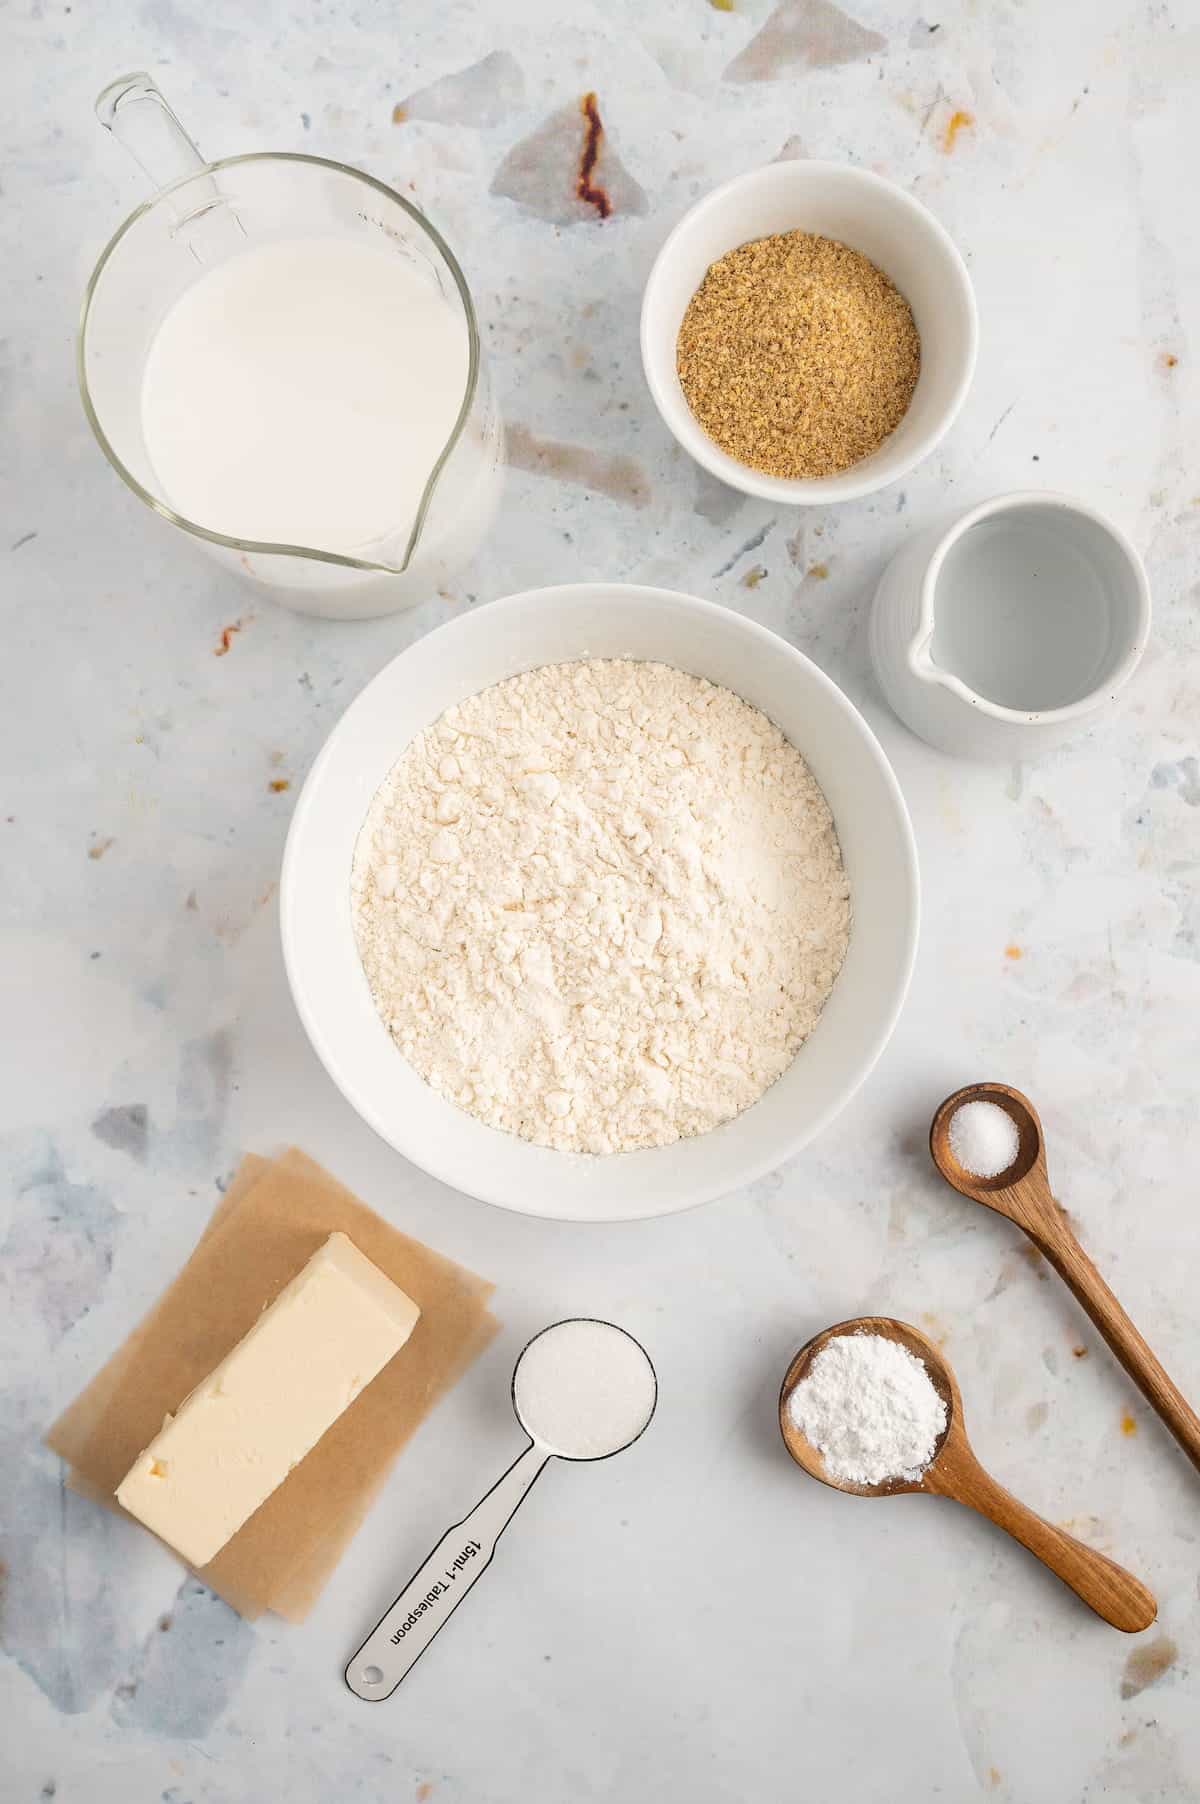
(694,1621)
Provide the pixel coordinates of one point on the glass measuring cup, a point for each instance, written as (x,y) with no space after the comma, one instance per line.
(205,213)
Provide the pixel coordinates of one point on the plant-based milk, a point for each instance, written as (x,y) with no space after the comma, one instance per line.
(301,393)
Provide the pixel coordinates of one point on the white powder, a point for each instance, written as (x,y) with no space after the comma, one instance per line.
(870,1407)
(984,1138)
(600,905)
(584,1389)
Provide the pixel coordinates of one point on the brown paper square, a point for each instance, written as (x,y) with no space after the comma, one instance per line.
(269,1222)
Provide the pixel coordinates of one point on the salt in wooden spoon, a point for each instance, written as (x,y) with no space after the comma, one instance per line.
(955,1472)
(1023,1194)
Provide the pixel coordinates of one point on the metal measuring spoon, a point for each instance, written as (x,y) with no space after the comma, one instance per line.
(465,1551)
(955,1472)
(1023,1194)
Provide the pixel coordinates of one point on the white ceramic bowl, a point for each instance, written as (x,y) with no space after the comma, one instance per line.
(550,626)
(871,215)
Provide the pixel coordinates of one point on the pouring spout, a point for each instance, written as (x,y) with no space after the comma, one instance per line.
(135,111)
(920,658)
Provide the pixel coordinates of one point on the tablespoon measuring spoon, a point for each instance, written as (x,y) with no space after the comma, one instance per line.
(582,1390)
(954,1471)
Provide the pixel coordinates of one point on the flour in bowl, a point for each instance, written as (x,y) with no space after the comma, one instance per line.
(600,905)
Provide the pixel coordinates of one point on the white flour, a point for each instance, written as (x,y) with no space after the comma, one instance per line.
(600,905)
(870,1407)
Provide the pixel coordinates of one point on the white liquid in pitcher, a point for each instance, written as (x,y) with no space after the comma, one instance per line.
(302,392)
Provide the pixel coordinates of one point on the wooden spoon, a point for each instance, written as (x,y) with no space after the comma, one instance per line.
(955,1472)
(1023,1194)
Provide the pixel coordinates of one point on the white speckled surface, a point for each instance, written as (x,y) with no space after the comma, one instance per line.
(694,1621)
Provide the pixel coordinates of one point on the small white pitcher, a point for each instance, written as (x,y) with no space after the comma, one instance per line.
(1011,630)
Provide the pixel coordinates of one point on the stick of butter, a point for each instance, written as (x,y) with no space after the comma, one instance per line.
(238,1435)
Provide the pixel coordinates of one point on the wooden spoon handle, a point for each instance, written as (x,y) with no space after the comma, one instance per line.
(1072,1264)
(1104,1586)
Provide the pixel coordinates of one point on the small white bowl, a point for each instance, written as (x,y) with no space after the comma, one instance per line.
(871,215)
(551,626)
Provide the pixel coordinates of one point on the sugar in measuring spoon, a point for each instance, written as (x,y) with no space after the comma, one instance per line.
(582,1390)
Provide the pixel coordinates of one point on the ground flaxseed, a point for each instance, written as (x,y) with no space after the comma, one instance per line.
(797,355)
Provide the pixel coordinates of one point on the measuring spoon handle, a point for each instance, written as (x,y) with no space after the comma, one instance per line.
(1073,1266)
(1105,1587)
(439,1584)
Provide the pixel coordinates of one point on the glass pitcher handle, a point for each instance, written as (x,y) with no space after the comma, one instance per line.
(135,111)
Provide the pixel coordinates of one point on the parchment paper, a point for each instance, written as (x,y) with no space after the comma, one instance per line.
(269,1222)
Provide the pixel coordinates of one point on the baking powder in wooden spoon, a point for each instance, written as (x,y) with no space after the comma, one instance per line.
(871,1409)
